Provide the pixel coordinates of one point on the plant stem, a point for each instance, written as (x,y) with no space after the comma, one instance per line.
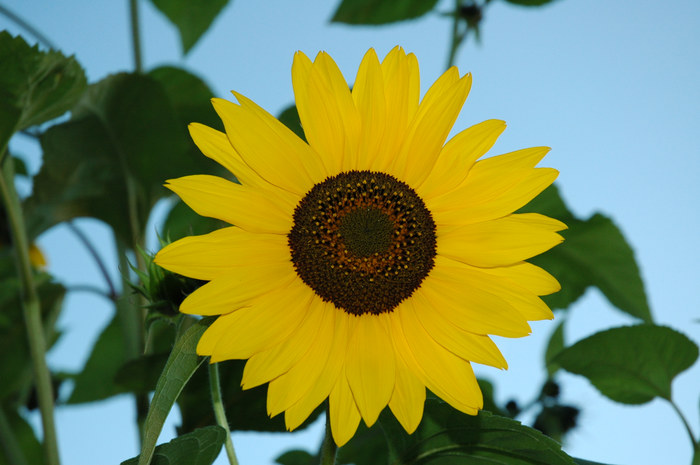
(31,308)
(456,37)
(693,441)
(328,447)
(219,412)
(96,257)
(135,34)
(27,27)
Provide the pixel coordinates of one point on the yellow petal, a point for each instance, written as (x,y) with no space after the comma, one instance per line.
(408,399)
(277,360)
(327,112)
(469,346)
(402,93)
(500,242)
(531,277)
(287,389)
(458,156)
(368,94)
(343,412)
(269,147)
(212,255)
(471,308)
(237,288)
(321,388)
(268,320)
(466,210)
(234,203)
(370,367)
(448,376)
(430,127)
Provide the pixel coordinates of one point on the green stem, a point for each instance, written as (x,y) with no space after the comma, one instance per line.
(27,27)
(92,250)
(135,34)
(328,448)
(31,308)
(693,441)
(219,412)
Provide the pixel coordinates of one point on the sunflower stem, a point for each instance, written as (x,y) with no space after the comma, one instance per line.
(31,307)
(92,250)
(693,441)
(219,411)
(328,448)
(456,37)
(135,34)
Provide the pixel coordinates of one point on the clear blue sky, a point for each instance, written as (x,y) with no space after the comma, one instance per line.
(612,87)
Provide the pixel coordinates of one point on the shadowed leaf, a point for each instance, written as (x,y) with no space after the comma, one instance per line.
(381,11)
(200,447)
(192,19)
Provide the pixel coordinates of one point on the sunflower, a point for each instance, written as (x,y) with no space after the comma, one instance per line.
(373,261)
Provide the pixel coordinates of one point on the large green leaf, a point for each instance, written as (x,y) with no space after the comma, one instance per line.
(631,364)
(554,346)
(381,11)
(21,443)
(446,436)
(192,19)
(123,142)
(35,86)
(594,253)
(181,364)
(200,447)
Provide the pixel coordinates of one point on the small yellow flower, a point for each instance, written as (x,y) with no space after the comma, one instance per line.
(373,261)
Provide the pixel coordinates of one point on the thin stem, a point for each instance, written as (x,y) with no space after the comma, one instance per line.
(31,308)
(219,412)
(27,27)
(91,289)
(456,37)
(693,441)
(328,447)
(135,34)
(95,256)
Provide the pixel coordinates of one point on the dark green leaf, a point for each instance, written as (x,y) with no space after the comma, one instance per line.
(18,440)
(594,253)
(290,118)
(181,364)
(246,410)
(140,375)
(555,345)
(367,447)
(123,142)
(200,447)
(192,19)
(96,380)
(35,86)
(631,364)
(15,369)
(381,11)
(529,2)
(446,436)
(296,457)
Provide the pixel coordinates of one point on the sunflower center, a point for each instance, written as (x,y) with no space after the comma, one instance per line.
(363,240)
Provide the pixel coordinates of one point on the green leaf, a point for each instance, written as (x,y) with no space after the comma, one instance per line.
(594,253)
(446,436)
(192,19)
(381,11)
(555,345)
(96,380)
(246,410)
(140,375)
(35,86)
(183,221)
(18,440)
(123,142)
(367,447)
(631,364)
(200,447)
(529,2)
(181,364)
(297,457)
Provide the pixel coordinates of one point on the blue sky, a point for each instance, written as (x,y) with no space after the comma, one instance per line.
(612,87)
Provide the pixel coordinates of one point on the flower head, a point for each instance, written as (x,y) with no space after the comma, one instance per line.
(373,261)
